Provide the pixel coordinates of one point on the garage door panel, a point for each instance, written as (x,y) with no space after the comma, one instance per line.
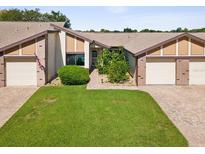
(21,73)
(196,73)
(158,72)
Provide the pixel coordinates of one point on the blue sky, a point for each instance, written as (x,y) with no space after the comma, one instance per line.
(117,18)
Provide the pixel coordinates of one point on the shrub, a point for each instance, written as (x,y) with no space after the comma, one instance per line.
(73,75)
(117,71)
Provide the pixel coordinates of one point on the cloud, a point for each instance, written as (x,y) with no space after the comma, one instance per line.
(116,9)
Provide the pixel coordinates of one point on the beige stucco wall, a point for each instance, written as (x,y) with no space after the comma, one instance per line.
(12,51)
(74,44)
(29,48)
(79,45)
(70,43)
(156,51)
(183,46)
(51,59)
(169,48)
(197,48)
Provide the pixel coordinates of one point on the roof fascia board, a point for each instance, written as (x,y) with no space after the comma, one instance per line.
(23,41)
(169,40)
(100,44)
(71,32)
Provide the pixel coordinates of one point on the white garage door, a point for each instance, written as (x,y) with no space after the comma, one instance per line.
(20,73)
(160,71)
(196,72)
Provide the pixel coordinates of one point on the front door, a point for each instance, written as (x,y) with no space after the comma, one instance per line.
(94,57)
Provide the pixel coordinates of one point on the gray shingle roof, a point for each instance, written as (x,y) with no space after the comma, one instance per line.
(134,42)
(11,32)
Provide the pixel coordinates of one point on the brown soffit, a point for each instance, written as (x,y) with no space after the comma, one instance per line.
(169,40)
(27,39)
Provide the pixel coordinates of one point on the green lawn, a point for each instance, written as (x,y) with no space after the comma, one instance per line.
(74,116)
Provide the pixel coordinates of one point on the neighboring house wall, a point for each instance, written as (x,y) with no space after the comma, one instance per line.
(183,51)
(180,47)
(32,52)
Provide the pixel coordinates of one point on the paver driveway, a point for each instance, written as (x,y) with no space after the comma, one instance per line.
(185,106)
(11,99)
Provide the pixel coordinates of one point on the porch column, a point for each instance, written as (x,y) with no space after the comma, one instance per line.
(141,70)
(87,54)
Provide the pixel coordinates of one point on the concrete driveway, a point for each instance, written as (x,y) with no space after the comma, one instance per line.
(185,106)
(11,99)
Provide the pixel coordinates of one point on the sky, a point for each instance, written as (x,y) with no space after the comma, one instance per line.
(136,17)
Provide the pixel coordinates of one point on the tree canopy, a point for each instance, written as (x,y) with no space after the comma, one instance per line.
(130,30)
(34,15)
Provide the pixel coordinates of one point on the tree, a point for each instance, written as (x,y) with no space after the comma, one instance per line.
(129,30)
(104,30)
(91,30)
(34,15)
(11,15)
(179,29)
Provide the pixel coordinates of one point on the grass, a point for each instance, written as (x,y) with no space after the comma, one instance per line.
(74,116)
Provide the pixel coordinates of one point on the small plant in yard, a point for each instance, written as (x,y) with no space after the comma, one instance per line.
(117,71)
(73,75)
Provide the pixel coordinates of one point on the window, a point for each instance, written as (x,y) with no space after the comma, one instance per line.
(94,53)
(75,59)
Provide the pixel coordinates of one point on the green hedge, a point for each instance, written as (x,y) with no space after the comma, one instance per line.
(73,75)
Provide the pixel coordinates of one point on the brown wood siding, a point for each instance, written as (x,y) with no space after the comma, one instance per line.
(79,45)
(156,51)
(183,45)
(12,51)
(197,48)
(170,48)
(70,43)
(29,48)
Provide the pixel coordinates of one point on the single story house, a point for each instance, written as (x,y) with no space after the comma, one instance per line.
(32,52)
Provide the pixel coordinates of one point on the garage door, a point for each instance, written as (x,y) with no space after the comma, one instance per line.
(21,72)
(160,71)
(197,72)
